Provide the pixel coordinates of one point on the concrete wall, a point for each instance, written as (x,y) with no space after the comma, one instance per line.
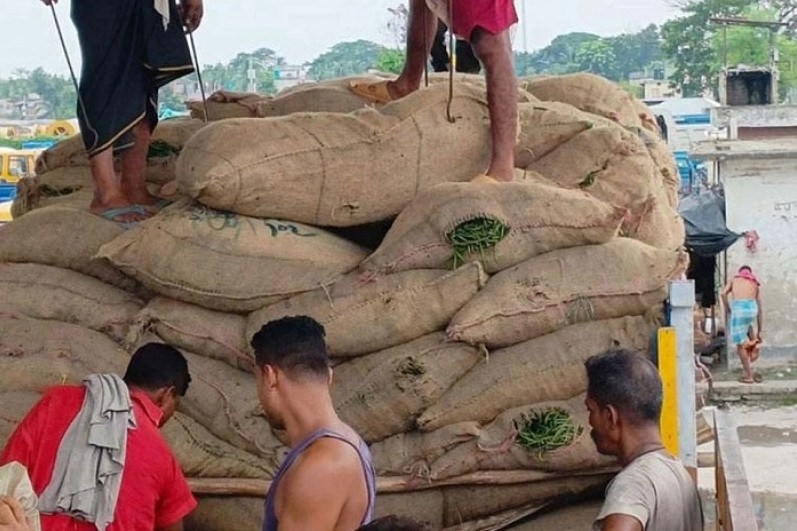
(761,195)
(755,116)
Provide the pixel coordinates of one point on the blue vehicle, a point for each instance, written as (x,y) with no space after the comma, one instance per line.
(7,192)
(691,171)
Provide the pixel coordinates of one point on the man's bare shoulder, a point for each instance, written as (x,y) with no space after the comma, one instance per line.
(328,455)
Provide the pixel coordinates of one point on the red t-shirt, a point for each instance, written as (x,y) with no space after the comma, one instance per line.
(153,493)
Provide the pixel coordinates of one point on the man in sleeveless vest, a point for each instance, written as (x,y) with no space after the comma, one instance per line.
(327,481)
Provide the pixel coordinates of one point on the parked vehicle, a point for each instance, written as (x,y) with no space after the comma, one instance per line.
(16,164)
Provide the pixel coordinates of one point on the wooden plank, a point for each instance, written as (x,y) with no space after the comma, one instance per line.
(257,487)
(668,369)
(734,501)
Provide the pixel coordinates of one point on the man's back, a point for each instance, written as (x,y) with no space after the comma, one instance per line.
(742,289)
(656,490)
(153,492)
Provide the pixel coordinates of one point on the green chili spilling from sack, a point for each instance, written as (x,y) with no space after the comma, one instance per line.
(475,236)
(544,431)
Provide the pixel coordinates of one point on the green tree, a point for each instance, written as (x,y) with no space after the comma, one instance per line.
(390,60)
(687,42)
(634,52)
(346,59)
(597,57)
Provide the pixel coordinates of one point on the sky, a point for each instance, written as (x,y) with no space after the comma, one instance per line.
(300,30)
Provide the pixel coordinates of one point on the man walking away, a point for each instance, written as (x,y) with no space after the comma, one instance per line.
(94,453)
(130,49)
(746,317)
(327,481)
(653,491)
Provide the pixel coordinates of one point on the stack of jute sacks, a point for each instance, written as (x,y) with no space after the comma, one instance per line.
(458,340)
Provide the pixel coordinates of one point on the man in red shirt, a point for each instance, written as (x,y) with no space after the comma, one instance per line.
(154,494)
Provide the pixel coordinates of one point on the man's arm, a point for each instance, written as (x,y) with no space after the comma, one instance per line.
(760,316)
(725,292)
(316,490)
(620,522)
(192,14)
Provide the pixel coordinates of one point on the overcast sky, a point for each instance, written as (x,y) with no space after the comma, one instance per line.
(300,30)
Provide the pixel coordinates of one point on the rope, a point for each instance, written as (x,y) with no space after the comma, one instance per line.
(74,77)
(452,62)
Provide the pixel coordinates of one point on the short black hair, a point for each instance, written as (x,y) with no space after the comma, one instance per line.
(393,523)
(294,344)
(747,267)
(628,381)
(156,366)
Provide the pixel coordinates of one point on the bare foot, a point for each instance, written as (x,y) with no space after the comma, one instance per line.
(141,197)
(502,174)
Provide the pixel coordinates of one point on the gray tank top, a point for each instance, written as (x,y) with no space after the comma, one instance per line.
(270,522)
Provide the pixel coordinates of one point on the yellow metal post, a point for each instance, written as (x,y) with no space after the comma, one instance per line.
(668,368)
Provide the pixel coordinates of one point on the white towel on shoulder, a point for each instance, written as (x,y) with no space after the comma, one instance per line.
(91,457)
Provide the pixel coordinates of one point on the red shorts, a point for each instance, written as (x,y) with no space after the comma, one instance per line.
(493,16)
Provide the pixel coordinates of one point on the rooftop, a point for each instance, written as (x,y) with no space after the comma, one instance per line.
(745,149)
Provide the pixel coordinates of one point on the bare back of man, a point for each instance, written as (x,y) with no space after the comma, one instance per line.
(325,489)
(741,289)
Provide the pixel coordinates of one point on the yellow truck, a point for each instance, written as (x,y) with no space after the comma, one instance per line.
(16,164)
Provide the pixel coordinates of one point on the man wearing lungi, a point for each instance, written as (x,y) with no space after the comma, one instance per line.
(485,23)
(742,298)
(130,49)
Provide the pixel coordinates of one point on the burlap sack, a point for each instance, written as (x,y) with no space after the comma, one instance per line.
(224,513)
(16,405)
(331,95)
(64,186)
(488,502)
(486,506)
(215,335)
(608,162)
(550,367)
(554,290)
(224,401)
(202,455)
(228,262)
(224,104)
(663,159)
(382,394)
(659,226)
(539,219)
(309,167)
(46,292)
(592,94)
(169,134)
(544,126)
(412,453)
(498,445)
(63,237)
(362,316)
(35,354)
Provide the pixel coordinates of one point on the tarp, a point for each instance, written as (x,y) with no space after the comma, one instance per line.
(704,216)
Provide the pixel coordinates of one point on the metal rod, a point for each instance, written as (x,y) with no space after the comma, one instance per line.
(195,60)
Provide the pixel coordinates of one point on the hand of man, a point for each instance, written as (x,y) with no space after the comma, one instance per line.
(192,14)
(12,515)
